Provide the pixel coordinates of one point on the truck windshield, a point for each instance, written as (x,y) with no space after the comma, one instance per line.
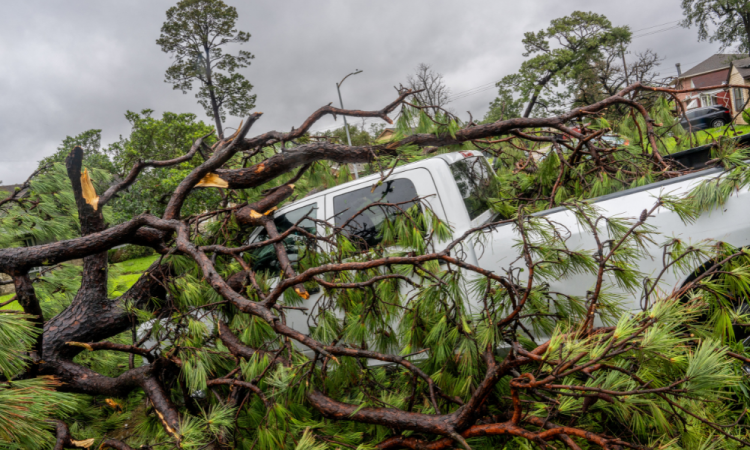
(472,176)
(365,229)
(264,258)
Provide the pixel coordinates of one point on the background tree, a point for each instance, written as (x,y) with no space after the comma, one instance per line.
(434,93)
(196,34)
(559,54)
(91,143)
(359,133)
(724,21)
(164,138)
(609,74)
(503,107)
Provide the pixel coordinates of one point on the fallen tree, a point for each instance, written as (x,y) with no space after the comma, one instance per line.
(223,369)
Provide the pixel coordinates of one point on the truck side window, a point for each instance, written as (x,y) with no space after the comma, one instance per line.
(472,176)
(364,230)
(264,258)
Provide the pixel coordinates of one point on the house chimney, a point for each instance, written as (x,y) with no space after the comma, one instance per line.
(679,71)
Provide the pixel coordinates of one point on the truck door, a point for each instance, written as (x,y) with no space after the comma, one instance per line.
(364,230)
(264,259)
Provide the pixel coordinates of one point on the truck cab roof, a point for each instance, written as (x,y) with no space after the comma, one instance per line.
(437,160)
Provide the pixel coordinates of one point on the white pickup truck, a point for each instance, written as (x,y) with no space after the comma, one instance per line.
(448,184)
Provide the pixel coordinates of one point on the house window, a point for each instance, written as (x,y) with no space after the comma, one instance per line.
(708,100)
(737,99)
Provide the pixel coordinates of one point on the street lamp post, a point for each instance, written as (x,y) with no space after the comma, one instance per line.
(346,126)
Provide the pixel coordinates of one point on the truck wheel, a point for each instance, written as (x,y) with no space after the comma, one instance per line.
(716,123)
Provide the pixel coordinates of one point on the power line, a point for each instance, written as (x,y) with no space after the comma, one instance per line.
(656,31)
(654,26)
(470,91)
(473,92)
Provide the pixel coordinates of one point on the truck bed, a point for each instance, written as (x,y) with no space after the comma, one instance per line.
(693,158)
(697,157)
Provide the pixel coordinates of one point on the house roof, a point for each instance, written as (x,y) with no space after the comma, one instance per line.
(386,133)
(714,62)
(742,66)
(10,188)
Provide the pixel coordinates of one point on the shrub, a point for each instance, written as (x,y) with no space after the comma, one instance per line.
(117,255)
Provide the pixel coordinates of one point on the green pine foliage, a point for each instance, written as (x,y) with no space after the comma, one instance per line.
(47,213)
(26,408)
(26,405)
(16,336)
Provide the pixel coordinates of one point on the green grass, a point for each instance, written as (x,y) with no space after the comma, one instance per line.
(5,298)
(123,283)
(130,271)
(137,265)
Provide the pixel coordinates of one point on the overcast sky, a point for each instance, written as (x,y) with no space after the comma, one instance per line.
(80,64)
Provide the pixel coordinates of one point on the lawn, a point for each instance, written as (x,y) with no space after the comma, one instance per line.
(5,298)
(137,265)
(130,271)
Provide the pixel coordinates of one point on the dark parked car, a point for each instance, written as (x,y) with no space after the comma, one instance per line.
(707,117)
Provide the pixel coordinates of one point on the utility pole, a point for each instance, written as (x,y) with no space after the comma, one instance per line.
(346,126)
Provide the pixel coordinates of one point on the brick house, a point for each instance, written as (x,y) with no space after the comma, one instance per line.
(713,71)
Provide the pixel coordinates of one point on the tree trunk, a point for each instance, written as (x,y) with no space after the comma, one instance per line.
(531,104)
(214,104)
(540,85)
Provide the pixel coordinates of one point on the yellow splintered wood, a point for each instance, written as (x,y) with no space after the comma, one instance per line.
(302,293)
(89,193)
(81,344)
(212,180)
(85,443)
(256,215)
(169,429)
(114,404)
(236,132)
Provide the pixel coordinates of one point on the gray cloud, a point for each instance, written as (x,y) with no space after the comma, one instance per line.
(80,64)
